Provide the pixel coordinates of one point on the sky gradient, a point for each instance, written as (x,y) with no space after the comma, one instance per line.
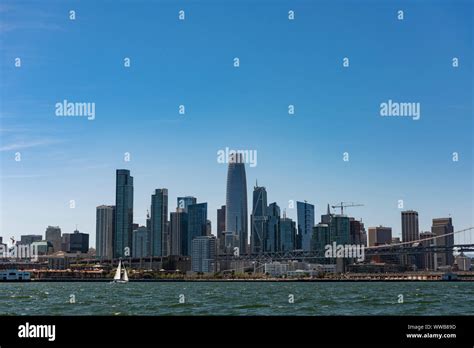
(282,62)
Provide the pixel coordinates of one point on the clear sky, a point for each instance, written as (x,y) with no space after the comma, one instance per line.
(282,62)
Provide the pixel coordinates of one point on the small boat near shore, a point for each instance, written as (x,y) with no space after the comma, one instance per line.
(121,275)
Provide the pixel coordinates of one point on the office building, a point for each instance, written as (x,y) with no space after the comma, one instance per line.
(28,239)
(179,231)
(305,212)
(287,234)
(76,242)
(123,213)
(443,229)
(236,214)
(272,241)
(258,220)
(159,222)
(410,226)
(221,229)
(203,258)
(379,236)
(104,227)
(197,224)
(53,235)
(185,202)
(140,242)
(339,229)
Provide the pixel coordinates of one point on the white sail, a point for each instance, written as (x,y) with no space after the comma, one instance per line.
(125,275)
(119,271)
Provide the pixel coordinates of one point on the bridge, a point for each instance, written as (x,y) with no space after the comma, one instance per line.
(465,244)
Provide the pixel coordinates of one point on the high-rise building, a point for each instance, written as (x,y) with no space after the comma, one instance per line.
(441,227)
(258,220)
(321,237)
(123,213)
(379,236)
(305,212)
(28,239)
(428,257)
(197,224)
(148,231)
(159,223)
(410,226)
(326,218)
(272,242)
(185,202)
(76,242)
(236,215)
(179,231)
(339,227)
(203,255)
(208,227)
(287,234)
(221,228)
(104,228)
(140,242)
(53,235)
(356,232)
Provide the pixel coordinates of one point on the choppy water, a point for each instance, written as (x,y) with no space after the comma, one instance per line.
(246,298)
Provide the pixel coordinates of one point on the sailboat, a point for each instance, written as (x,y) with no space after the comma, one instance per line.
(121,277)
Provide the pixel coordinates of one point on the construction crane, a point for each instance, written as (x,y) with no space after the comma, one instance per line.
(345,205)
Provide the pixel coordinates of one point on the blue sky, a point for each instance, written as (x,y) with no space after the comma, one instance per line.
(191,62)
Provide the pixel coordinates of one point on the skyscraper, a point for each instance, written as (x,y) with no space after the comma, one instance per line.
(53,235)
(357,232)
(159,220)
(339,227)
(258,219)
(287,230)
(203,255)
(305,212)
(197,224)
(179,231)
(104,231)
(221,228)
(321,237)
(236,215)
(440,227)
(184,202)
(410,230)
(123,213)
(379,236)
(76,242)
(272,242)
(140,242)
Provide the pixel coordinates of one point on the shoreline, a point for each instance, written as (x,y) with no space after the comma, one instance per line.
(78,280)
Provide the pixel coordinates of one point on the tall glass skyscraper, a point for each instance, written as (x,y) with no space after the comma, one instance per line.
(159,223)
(197,224)
(185,202)
(272,241)
(123,213)
(305,213)
(236,215)
(258,219)
(287,234)
(221,228)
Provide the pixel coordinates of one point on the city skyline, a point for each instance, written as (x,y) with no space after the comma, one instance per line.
(300,156)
